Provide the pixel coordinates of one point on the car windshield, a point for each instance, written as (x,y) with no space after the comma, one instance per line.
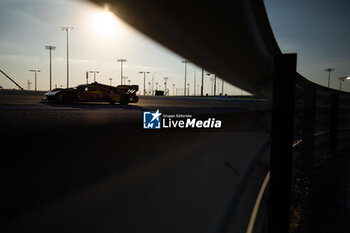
(80,87)
(57,89)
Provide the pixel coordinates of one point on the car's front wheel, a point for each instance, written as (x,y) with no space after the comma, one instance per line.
(69,98)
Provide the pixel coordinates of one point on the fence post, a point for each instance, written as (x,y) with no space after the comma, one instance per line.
(283,105)
(334,122)
(307,151)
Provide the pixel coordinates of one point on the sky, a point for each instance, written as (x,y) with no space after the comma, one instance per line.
(317,30)
(97,40)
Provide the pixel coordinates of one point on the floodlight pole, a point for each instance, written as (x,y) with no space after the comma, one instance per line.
(28,84)
(214,84)
(35,71)
(213,80)
(94,72)
(222,88)
(194,84)
(153,83)
(125,78)
(165,80)
(121,69)
(50,48)
(329,70)
(342,79)
(144,80)
(185,61)
(202,82)
(67,30)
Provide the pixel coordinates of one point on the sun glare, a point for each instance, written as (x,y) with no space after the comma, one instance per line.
(105,23)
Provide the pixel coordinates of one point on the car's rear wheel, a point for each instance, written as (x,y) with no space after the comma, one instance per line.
(124,99)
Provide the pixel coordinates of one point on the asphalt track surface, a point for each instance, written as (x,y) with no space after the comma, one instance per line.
(90,167)
(28,111)
(146,102)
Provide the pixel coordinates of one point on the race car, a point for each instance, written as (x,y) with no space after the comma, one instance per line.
(94,92)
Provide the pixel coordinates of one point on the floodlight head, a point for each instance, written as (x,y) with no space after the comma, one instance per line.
(66,28)
(344,78)
(50,47)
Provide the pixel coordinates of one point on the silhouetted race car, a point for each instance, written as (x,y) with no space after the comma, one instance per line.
(94,92)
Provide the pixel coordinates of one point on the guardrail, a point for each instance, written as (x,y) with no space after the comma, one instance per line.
(308,121)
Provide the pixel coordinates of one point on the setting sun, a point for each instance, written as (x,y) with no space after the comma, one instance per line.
(105,23)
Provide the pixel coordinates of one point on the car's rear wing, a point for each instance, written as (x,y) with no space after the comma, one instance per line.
(128,88)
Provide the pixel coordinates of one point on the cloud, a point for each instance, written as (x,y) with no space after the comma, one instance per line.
(19,58)
(81,61)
